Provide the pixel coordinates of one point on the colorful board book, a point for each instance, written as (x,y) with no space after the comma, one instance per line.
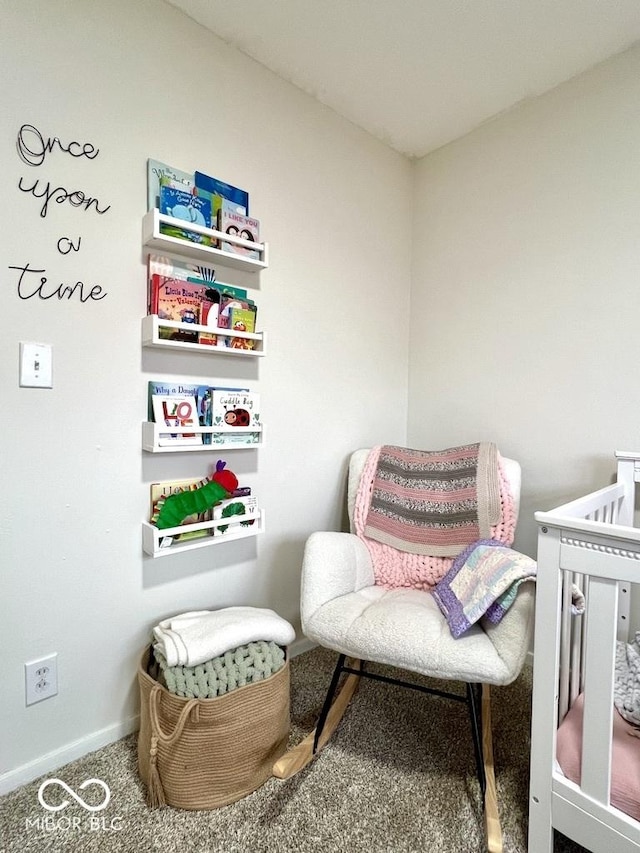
(182,269)
(238,225)
(235,408)
(176,411)
(187,206)
(186,301)
(229,305)
(245,506)
(241,320)
(179,301)
(158,172)
(216,187)
(176,389)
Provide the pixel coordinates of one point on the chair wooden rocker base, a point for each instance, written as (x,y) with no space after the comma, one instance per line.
(477,699)
(299,756)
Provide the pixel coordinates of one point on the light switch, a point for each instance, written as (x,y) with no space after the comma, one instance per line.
(36,365)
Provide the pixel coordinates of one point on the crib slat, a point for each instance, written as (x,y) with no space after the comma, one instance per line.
(598,706)
(624,611)
(583,629)
(628,472)
(565,646)
(576,650)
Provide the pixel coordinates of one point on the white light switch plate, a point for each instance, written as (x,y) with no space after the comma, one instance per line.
(36,365)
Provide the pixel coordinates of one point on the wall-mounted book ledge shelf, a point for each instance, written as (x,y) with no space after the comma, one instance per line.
(223,437)
(161,543)
(163,244)
(152,336)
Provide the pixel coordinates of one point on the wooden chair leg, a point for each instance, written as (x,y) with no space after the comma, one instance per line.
(299,756)
(491,815)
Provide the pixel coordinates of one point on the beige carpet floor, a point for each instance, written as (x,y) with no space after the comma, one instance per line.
(397,777)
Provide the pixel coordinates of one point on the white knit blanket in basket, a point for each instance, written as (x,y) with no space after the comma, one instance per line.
(198,636)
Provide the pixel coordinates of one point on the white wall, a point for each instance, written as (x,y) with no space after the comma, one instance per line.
(525,291)
(521,329)
(141,80)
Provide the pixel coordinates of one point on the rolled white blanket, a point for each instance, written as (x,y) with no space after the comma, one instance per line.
(200,635)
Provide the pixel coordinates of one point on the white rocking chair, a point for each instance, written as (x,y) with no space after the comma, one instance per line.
(342,609)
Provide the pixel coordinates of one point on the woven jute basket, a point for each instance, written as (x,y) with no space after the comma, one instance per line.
(206,753)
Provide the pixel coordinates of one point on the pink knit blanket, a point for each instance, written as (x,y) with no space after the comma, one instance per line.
(434,502)
(394,568)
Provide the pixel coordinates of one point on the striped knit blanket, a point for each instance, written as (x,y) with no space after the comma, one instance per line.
(434,502)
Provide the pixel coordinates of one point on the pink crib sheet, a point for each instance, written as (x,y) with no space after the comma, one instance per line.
(625,757)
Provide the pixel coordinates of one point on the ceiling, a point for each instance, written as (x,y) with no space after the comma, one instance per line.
(419,73)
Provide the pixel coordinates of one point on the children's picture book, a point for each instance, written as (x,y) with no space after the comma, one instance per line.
(171,294)
(188,206)
(235,439)
(172,487)
(171,389)
(180,268)
(156,171)
(227,303)
(202,394)
(184,271)
(180,301)
(203,403)
(234,408)
(238,225)
(231,292)
(246,506)
(219,188)
(241,492)
(176,411)
(241,320)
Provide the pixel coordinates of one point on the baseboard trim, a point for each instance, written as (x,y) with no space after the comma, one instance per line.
(71,752)
(79,748)
(298,647)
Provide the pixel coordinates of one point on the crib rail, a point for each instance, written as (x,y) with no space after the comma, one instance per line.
(588,546)
(594,547)
(595,513)
(598,511)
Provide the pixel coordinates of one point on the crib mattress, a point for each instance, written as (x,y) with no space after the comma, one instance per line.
(625,757)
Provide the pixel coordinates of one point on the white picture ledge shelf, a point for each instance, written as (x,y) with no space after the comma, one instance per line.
(155,241)
(161,543)
(223,438)
(151,325)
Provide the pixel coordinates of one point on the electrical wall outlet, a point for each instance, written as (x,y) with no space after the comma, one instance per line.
(41,679)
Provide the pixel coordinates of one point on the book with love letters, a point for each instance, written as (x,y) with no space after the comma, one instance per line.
(176,411)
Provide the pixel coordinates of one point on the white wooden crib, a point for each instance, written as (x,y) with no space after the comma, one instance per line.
(590,542)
